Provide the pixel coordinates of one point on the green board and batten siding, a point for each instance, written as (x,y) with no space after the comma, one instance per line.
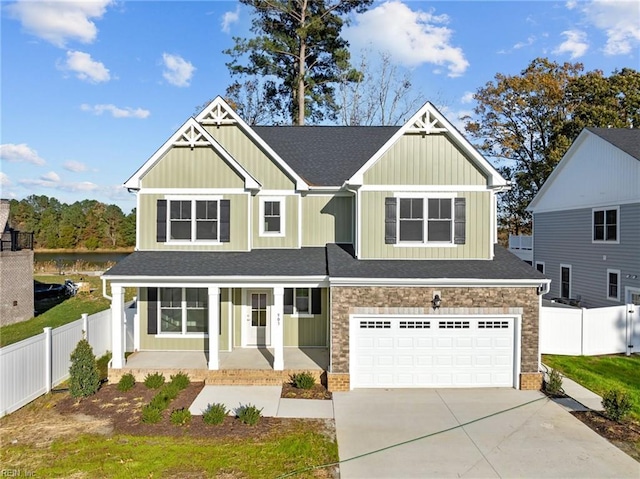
(327,219)
(153,342)
(251,157)
(309,331)
(291,216)
(424,160)
(239,228)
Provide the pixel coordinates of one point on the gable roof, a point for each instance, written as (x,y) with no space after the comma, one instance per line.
(625,139)
(326,155)
(191,134)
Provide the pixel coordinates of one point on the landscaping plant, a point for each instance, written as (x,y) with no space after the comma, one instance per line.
(180,380)
(617,404)
(180,417)
(249,414)
(304,380)
(151,414)
(154,381)
(215,413)
(126,382)
(84,377)
(553,385)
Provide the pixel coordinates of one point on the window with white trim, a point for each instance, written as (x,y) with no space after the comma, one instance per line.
(193,220)
(437,227)
(613,284)
(565,281)
(605,224)
(272,216)
(303,301)
(183,311)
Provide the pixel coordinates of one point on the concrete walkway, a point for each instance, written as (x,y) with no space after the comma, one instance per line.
(534,437)
(580,398)
(266,398)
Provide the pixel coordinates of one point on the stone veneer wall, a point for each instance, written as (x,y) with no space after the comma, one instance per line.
(346,300)
(16,286)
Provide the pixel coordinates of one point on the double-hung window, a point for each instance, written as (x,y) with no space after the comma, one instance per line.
(183,310)
(423,220)
(605,224)
(272,216)
(193,220)
(613,284)
(411,219)
(302,301)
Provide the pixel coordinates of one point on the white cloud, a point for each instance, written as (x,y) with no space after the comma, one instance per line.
(456,117)
(74,166)
(178,71)
(116,112)
(51,176)
(575,44)
(410,37)
(4,179)
(52,183)
(571,4)
(529,42)
(21,153)
(230,18)
(467,97)
(59,22)
(85,67)
(619,20)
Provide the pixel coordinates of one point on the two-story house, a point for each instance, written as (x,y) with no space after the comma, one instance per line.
(374,244)
(586,220)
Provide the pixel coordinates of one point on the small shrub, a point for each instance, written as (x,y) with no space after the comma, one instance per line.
(554,385)
(215,413)
(154,381)
(151,414)
(617,404)
(126,382)
(171,391)
(249,414)
(180,380)
(180,417)
(303,380)
(160,401)
(84,375)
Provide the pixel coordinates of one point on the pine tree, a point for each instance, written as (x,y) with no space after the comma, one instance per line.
(85,377)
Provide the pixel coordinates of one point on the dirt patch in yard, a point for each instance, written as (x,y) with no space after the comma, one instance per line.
(625,436)
(318,391)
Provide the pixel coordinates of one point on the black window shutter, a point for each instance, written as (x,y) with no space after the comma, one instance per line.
(460,221)
(152,310)
(390,220)
(288,300)
(316,301)
(225,221)
(161,221)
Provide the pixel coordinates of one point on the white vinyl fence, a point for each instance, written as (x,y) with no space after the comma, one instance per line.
(30,368)
(589,332)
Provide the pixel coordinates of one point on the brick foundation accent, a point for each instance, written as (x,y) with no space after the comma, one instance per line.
(338,382)
(531,381)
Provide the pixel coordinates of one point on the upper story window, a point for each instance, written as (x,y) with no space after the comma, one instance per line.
(419,220)
(193,220)
(271,216)
(605,224)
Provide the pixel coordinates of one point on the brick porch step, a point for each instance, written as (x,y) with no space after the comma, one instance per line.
(253,377)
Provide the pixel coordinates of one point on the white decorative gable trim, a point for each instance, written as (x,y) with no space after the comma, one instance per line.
(428,120)
(218,112)
(191,134)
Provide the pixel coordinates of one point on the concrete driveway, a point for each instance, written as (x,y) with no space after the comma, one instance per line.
(539,439)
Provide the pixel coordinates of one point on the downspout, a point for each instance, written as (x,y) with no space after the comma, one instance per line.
(356,232)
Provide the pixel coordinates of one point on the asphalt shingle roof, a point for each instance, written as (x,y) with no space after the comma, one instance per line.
(325,155)
(626,139)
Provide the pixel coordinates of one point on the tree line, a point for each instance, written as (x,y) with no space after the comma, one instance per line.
(86,224)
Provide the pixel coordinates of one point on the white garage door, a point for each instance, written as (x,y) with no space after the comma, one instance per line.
(432,352)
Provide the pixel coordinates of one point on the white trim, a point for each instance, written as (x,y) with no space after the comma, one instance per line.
(219,102)
(246,316)
(618,284)
(592,205)
(299,221)
(283,225)
(605,209)
(223,281)
(192,125)
(470,283)
(425,243)
(434,195)
(628,291)
(138,220)
(230,320)
(183,313)
(277,193)
(426,188)
(193,191)
(181,336)
(562,265)
(494,178)
(543,266)
(194,221)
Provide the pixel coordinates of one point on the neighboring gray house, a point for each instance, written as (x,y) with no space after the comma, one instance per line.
(586,220)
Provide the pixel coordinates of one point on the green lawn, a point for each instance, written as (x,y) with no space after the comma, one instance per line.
(66,312)
(601,373)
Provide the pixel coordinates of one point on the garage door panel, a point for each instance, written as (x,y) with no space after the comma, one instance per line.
(451,352)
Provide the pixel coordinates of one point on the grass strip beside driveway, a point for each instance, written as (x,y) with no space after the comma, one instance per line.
(601,373)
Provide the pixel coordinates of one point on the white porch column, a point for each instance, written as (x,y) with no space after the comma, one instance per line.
(277,328)
(117,326)
(214,326)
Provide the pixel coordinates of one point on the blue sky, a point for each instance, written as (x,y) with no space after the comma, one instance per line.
(90,89)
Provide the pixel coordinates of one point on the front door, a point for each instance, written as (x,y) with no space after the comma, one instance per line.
(257,318)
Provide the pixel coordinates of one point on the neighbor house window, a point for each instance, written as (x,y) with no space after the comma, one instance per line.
(540,266)
(183,310)
(613,284)
(271,216)
(565,281)
(605,224)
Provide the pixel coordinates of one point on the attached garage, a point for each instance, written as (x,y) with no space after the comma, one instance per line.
(433,351)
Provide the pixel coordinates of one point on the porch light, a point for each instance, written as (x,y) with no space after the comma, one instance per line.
(436,301)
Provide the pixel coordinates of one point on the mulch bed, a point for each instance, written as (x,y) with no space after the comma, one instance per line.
(318,391)
(124,409)
(625,435)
